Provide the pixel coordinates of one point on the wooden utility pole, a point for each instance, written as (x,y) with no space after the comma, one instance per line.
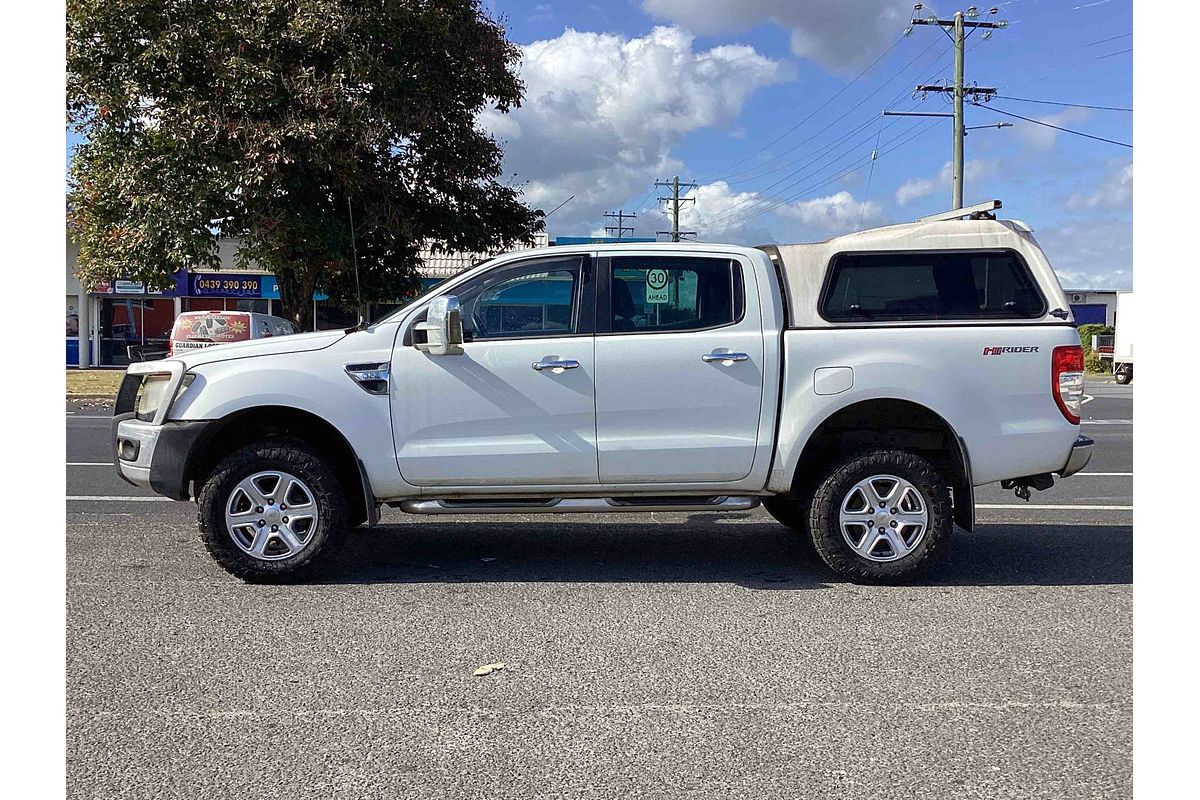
(620,216)
(675,200)
(957,28)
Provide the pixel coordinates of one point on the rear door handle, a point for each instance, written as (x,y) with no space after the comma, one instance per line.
(561,363)
(709,358)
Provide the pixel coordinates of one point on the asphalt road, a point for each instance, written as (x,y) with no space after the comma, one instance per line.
(665,656)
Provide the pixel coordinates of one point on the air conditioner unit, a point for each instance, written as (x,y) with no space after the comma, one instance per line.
(1076,298)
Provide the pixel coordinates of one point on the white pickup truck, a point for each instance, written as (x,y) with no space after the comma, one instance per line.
(859,388)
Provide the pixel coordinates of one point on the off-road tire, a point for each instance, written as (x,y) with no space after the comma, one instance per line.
(1123,377)
(830,492)
(292,456)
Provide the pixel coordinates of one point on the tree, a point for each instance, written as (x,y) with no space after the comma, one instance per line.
(275,121)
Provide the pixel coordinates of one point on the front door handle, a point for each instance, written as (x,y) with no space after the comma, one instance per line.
(709,358)
(559,363)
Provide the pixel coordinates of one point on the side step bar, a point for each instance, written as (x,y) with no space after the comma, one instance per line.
(578,505)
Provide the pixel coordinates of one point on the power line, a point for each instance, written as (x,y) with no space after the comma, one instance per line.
(1119,52)
(917,130)
(1056,127)
(815,111)
(1102,41)
(815,187)
(642,203)
(829,125)
(760,200)
(1069,105)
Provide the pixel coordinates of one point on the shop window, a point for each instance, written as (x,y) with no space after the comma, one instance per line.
(144,325)
(204,304)
(72,315)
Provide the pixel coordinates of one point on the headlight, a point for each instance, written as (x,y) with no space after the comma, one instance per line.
(153,394)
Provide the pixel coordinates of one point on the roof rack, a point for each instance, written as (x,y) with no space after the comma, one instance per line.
(978,211)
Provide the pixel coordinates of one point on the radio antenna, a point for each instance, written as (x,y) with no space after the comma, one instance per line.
(354,251)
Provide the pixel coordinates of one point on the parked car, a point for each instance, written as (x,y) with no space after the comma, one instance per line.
(859,388)
(194,330)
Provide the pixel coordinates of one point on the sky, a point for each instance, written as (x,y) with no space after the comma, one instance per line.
(773,108)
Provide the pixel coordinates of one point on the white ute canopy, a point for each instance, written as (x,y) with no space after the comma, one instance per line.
(803,267)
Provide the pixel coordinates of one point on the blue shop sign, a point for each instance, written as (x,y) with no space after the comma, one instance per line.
(216,284)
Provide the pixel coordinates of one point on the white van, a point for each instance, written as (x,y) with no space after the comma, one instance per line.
(198,329)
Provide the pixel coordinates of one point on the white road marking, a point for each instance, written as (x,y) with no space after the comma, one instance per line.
(117,497)
(1087,398)
(89,463)
(1052,507)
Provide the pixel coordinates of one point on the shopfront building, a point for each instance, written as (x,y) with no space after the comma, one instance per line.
(103,324)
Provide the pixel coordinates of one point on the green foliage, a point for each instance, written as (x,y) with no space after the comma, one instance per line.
(263,119)
(1092,361)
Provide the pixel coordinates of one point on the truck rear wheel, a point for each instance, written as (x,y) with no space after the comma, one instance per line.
(883,516)
(271,510)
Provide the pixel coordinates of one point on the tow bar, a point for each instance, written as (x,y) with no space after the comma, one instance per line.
(1021,486)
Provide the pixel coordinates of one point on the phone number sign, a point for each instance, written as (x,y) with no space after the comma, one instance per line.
(207,284)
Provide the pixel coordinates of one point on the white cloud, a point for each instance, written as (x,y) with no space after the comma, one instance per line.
(832,215)
(601,113)
(1091,254)
(840,35)
(1115,193)
(1043,138)
(917,188)
(721,214)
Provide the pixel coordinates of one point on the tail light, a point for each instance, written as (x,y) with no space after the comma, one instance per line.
(1066,379)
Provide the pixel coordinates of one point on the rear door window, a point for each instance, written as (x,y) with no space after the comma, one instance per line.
(948,284)
(651,294)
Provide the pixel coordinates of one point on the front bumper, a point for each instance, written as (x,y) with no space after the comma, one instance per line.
(161,454)
(1081,454)
(153,453)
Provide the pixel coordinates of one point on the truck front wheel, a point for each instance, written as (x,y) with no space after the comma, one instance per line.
(882,516)
(271,510)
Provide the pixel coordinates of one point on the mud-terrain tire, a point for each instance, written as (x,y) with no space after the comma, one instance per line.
(241,484)
(907,534)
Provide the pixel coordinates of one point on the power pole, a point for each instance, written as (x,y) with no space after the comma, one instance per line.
(957,28)
(675,200)
(620,216)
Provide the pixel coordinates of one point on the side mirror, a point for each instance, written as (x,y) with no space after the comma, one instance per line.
(442,327)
